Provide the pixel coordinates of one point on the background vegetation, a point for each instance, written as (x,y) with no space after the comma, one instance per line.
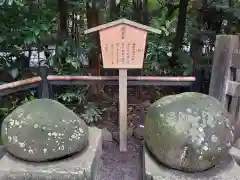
(189,29)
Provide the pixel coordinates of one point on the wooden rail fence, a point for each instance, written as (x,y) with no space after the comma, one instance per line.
(225,78)
(45,81)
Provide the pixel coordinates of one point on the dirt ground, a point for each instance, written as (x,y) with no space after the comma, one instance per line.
(114,164)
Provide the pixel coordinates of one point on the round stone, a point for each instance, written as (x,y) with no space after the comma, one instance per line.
(42,130)
(188,131)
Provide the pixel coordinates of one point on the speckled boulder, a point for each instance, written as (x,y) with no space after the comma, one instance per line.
(42,130)
(188,131)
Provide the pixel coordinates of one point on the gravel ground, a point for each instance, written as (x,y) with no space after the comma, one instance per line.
(116,165)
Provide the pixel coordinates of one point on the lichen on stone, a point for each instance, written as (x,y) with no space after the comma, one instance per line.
(42,130)
(189,125)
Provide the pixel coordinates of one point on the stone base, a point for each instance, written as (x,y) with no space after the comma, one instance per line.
(227,169)
(82,166)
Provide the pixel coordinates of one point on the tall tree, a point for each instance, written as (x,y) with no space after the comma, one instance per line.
(177,44)
(94,57)
(63,19)
(196,44)
(114,10)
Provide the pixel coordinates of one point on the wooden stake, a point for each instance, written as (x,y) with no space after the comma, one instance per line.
(123,109)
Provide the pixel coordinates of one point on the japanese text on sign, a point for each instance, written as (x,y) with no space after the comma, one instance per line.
(124,48)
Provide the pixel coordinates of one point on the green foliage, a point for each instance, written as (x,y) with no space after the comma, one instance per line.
(74,94)
(25,24)
(70,58)
(20,29)
(34,24)
(159,46)
(75,56)
(76,99)
(92,113)
(157,56)
(12,103)
(158,50)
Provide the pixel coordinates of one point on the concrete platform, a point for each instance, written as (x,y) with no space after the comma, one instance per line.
(82,166)
(227,169)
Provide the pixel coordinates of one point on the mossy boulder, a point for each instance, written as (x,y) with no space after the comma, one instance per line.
(188,131)
(42,130)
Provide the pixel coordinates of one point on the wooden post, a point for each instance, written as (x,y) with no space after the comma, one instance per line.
(234,103)
(44,89)
(123,109)
(225,78)
(197,85)
(221,71)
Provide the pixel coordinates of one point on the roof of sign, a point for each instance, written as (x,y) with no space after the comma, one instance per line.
(123,21)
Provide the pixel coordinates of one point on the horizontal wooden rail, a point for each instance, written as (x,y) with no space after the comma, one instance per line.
(102,78)
(113,80)
(21,85)
(83,80)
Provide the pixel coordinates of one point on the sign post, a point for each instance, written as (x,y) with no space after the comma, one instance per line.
(123,45)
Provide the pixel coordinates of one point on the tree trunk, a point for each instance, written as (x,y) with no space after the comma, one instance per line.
(93,19)
(230,19)
(63,19)
(196,45)
(63,25)
(180,32)
(114,10)
(137,8)
(145,12)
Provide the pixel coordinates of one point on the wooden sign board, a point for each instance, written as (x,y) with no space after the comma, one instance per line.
(123,47)
(123,43)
